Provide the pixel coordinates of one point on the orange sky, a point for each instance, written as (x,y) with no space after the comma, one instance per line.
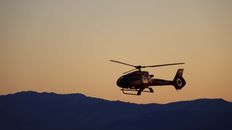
(64,46)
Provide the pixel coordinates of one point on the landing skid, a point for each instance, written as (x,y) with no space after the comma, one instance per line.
(126,91)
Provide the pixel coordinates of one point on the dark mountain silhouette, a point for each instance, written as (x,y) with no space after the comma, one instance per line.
(50,111)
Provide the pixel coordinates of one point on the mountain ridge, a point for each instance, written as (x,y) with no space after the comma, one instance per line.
(80,94)
(33,110)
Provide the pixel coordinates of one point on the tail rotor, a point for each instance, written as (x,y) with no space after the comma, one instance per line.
(179,81)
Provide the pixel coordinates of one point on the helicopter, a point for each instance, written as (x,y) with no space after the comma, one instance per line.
(141,81)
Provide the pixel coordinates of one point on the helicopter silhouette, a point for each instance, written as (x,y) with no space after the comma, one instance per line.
(137,80)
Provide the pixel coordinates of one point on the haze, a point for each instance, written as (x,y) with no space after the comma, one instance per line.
(64,46)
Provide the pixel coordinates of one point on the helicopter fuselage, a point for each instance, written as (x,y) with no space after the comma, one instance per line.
(142,79)
(138,79)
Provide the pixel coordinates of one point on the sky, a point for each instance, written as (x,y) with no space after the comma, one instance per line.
(64,46)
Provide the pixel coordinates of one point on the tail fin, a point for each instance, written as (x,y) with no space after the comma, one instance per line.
(179,73)
(179,81)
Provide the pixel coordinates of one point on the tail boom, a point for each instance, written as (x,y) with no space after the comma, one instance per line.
(178,81)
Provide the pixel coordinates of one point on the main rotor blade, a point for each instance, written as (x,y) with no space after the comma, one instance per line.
(163,65)
(129,71)
(122,63)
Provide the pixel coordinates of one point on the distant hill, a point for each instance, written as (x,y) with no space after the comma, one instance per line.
(50,111)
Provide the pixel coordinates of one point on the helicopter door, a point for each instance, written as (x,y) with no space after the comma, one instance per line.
(145,78)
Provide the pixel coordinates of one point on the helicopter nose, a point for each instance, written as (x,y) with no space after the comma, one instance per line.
(121,82)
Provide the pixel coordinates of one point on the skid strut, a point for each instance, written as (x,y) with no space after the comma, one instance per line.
(127,91)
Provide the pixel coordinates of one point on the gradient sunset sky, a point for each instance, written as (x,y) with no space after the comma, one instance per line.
(64,46)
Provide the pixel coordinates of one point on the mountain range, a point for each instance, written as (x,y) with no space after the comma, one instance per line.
(30,110)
